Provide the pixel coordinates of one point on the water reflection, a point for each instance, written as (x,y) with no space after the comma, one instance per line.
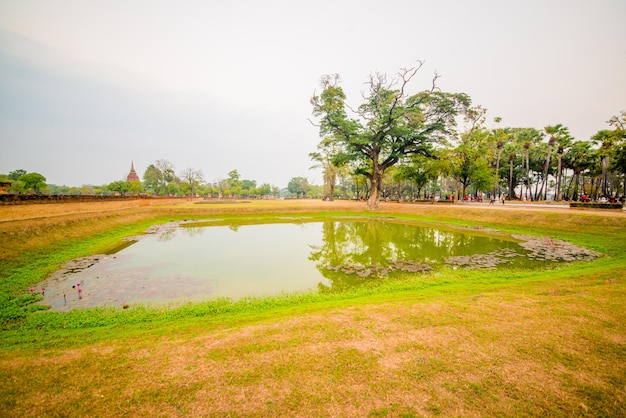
(198,262)
(353,253)
(166,235)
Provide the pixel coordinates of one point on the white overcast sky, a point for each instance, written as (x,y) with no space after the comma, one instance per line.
(87,86)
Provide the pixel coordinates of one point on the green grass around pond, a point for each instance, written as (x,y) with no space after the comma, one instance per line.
(23,321)
(447,343)
(54,329)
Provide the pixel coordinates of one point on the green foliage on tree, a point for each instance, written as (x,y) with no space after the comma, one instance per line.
(120,186)
(499,138)
(607,142)
(30,183)
(389,125)
(235,186)
(191,180)
(579,158)
(153,180)
(34,182)
(135,188)
(327,149)
(298,186)
(173,189)
(418,173)
(561,139)
(264,189)
(470,160)
(157,178)
(16,174)
(315,192)
(618,163)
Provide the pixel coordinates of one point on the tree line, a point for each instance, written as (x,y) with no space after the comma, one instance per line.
(159,179)
(20,181)
(397,145)
(401,145)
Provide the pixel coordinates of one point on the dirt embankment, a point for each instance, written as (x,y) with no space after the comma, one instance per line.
(26,199)
(36,209)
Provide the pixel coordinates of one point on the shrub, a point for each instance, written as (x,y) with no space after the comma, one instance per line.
(596,205)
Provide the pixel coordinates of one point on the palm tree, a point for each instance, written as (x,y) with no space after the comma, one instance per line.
(511,153)
(607,141)
(544,182)
(579,157)
(618,163)
(527,138)
(501,138)
(563,143)
(559,135)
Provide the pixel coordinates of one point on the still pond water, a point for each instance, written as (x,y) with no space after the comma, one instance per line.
(193,263)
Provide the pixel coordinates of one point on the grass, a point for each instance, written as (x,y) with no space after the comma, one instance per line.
(452,343)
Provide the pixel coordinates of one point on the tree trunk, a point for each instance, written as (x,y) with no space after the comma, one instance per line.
(544,186)
(605,176)
(511,192)
(441,189)
(569,187)
(538,191)
(559,174)
(377,181)
(496,188)
(597,187)
(528,191)
(582,185)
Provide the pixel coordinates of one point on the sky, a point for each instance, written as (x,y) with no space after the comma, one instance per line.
(87,87)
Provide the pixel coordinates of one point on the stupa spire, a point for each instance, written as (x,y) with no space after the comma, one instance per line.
(132,176)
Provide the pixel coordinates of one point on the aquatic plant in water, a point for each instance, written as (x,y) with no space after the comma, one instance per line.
(551,249)
(379,271)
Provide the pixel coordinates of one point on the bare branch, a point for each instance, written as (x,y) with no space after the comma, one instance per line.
(312,123)
(406,74)
(434,86)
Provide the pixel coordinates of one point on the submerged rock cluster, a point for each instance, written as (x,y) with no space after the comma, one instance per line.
(378,271)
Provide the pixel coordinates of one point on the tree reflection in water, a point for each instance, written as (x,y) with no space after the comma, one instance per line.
(357,252)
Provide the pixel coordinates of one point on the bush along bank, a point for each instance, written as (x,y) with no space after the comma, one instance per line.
(596,205)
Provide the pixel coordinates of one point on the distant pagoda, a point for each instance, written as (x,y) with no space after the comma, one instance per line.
(132,176)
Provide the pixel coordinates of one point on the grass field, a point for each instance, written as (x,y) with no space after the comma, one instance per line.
(450,343)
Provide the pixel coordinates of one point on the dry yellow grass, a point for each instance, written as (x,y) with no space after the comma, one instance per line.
(46,210)
(509,352)
(531,348)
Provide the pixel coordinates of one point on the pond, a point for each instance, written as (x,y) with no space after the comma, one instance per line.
(203,261)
